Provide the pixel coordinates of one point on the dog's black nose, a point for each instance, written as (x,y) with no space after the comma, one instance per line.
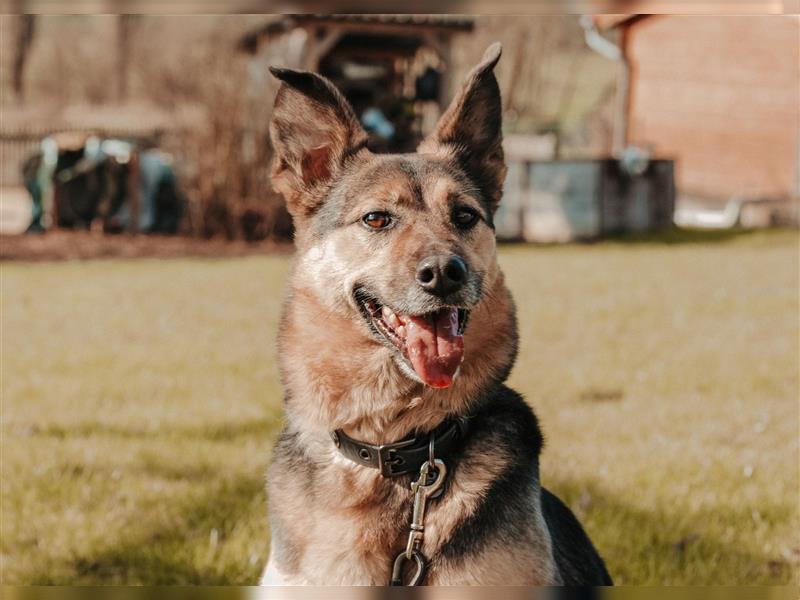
(442,275)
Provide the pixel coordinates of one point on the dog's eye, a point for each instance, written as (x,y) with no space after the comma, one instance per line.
(377,220)
(464,217)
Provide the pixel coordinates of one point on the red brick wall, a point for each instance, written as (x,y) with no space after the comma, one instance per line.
(722,96)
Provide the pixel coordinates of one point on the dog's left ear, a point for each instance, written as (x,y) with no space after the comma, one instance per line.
(314,132)
(471,129)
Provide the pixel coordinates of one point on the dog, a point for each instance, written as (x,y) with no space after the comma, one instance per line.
(396,336)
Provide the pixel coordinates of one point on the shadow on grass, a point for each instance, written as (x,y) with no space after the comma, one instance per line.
(645,547)
(639,546)
(222,432)
(183,553)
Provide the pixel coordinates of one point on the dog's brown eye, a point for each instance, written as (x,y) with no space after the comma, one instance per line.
(464,218)
(377,220)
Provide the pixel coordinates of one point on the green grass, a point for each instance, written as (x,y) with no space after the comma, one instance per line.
(140,400)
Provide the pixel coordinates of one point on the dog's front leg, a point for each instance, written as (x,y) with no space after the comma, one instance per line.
(273,576)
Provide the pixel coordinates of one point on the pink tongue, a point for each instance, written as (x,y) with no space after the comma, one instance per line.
(434,347)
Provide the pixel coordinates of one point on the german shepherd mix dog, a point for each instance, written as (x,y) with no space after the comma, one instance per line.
(404,457)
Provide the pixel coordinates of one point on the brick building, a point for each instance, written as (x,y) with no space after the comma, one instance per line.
(720,95)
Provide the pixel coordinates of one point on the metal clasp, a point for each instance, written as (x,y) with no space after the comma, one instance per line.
(423,491)
(419,574)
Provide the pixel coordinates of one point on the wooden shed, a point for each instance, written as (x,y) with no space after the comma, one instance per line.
(394,69)
(721,95)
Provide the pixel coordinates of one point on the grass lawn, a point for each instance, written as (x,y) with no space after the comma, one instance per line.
(140,400)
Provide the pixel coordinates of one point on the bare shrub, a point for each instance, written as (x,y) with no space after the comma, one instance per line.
(224,146)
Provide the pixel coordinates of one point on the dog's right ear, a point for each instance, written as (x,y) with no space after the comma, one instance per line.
(314,132)
(470,130)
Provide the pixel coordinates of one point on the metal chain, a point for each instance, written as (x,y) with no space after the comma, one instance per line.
(422,492)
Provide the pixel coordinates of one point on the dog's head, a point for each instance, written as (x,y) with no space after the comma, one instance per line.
(398,250)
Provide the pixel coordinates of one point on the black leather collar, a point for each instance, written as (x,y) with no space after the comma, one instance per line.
(407,455)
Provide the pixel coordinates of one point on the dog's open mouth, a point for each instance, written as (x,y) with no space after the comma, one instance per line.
(432,343)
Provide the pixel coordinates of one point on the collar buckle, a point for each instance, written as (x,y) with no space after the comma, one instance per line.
(388,457)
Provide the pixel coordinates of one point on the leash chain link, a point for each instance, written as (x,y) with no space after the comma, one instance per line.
(422,492)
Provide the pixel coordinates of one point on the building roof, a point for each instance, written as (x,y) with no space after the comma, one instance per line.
(606,22)
(281,23)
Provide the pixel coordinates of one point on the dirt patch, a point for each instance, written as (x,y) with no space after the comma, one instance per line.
(84,245)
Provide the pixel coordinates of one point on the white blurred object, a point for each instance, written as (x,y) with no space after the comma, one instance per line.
(706,218)
(119,149)
(15,210)
(758,213)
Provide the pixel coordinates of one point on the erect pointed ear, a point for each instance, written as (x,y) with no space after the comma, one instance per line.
(314,132)
(471,129)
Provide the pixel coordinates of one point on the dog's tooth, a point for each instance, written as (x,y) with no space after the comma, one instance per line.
(390,317)
(400,330)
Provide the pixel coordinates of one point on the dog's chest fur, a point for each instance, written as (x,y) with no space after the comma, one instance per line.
(340,530)
(338,523)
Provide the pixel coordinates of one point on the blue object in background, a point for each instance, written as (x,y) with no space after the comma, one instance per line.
(375,121)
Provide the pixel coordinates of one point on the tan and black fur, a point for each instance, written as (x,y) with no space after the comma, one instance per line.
(337,523)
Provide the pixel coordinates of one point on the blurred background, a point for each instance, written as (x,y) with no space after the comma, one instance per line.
(613,124)
(650,238)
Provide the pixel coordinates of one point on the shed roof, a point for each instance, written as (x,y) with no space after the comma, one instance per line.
(438,21)
(281,23)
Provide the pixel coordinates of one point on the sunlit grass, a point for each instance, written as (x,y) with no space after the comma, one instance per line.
(140,401)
